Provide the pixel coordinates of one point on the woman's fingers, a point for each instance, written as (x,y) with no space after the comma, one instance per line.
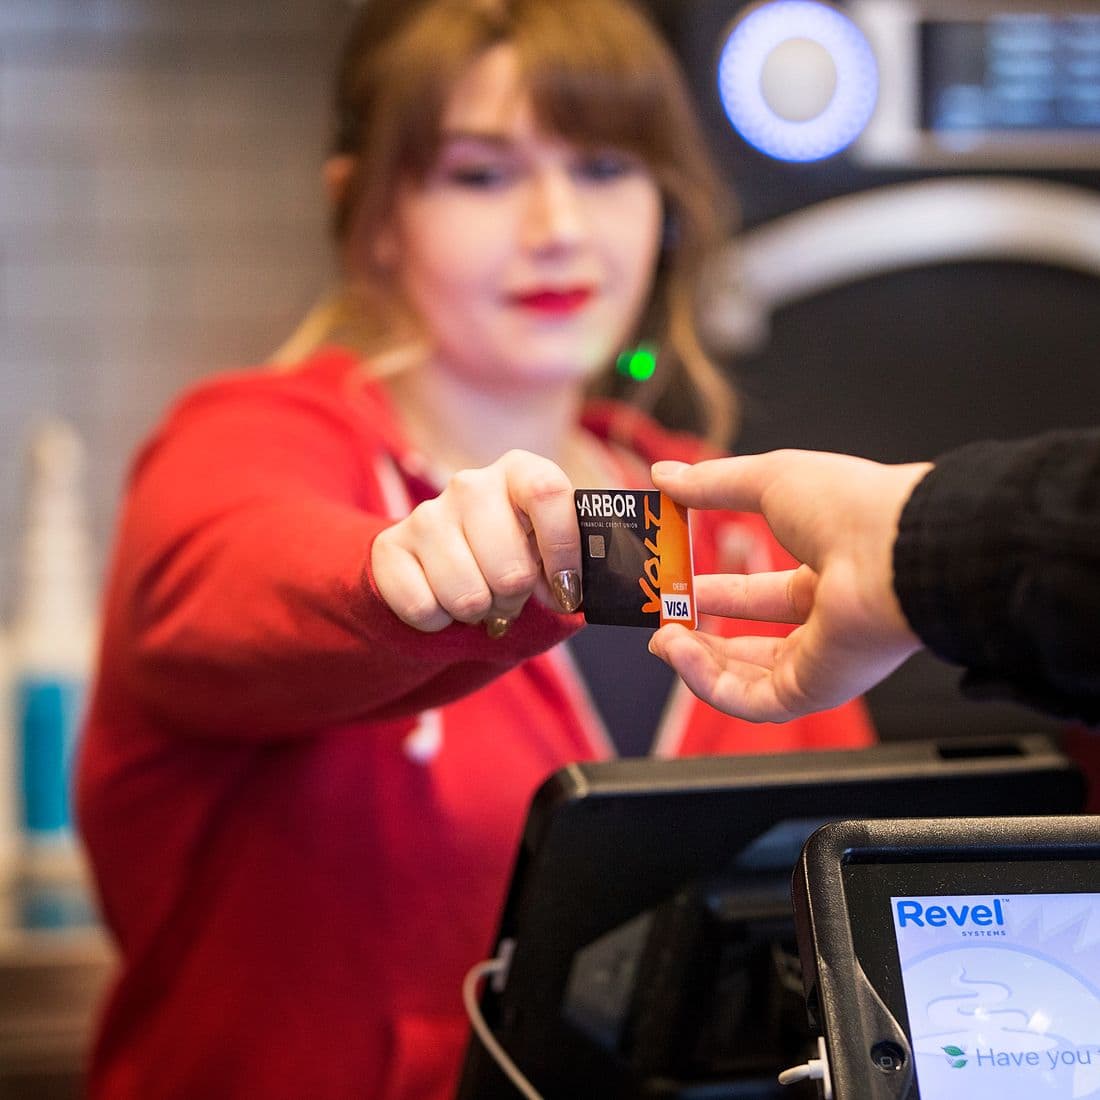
(498,543)
(543,494)
(472,552)
(402,583)
(479,550)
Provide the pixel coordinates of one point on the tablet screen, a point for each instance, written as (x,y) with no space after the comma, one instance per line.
(1002,993)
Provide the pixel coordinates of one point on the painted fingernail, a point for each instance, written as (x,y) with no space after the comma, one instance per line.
(496,626)
(566,586)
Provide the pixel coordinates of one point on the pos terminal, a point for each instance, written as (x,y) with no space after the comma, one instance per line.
(646,946)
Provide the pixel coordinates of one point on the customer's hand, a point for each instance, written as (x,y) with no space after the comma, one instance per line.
(836,514)
(477,552)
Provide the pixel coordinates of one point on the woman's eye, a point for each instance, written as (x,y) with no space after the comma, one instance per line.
(605,166)
(479,176)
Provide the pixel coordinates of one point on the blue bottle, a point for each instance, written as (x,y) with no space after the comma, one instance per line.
(51,648)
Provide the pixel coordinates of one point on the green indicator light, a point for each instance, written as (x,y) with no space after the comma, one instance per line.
(638,363)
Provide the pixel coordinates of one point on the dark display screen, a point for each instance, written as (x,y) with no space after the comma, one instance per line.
(1011,73)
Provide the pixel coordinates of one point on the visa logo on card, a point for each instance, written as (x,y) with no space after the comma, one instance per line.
(636,558)
(676,609)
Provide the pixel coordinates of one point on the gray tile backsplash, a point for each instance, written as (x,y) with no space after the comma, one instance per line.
(161,214)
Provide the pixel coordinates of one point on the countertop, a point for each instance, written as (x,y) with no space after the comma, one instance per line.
(55,963)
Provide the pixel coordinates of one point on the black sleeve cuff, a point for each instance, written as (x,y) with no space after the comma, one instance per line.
(997,567)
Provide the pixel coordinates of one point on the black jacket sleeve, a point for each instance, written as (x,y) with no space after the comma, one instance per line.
(997,567)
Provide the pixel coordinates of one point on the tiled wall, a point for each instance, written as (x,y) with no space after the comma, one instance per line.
(161,214)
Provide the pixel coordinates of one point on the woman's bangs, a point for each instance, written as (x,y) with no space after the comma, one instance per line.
(597,97)
(421,72)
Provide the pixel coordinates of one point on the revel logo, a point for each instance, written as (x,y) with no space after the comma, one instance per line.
(911,912)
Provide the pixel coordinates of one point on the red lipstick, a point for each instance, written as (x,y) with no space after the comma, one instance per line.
(555,303)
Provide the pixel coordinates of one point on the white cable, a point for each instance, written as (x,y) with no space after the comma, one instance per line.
(481,1028)
(815,1069)
(811,1071)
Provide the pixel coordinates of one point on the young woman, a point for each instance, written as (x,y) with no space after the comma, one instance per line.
(341,648)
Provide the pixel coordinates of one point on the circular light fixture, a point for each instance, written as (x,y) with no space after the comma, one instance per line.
(798,80)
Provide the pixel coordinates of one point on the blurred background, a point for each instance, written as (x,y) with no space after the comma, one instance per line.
(161,217)
(919,182)
(162,210)
(920,189)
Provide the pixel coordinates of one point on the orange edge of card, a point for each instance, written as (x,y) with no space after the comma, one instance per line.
(677,564)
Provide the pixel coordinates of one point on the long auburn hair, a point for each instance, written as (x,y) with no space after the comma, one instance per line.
(598,74)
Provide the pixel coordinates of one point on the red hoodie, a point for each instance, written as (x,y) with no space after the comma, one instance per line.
(301,812)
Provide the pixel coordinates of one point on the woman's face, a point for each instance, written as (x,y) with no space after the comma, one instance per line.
(527,258)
